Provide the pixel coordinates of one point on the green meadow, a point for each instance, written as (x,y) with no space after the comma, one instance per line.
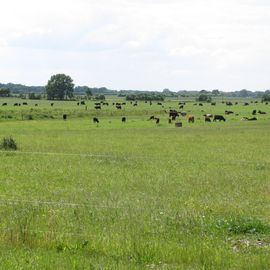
(134,195)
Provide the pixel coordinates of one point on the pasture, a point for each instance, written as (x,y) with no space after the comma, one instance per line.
(134,195)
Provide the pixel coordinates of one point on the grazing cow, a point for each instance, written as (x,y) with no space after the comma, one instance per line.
(52,104)
(64,117)
(181,107)
(98,107)
(118,107)
(15,104)
(200,104)
(157,120)
(229,112)
(95,120)
(123,103)
(252,119)
(246,104)
(254,112)
(228,103)
(219,118)
(159,103)
(24,103)
(152,117)
(4,104)
(213,103)
(173,113)
(83,102)
(191,119)
(135,104)
(260,112)
(124,119)
(207,119)
(208,115)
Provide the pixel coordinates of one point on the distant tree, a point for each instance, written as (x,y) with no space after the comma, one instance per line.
(215,92)
(34,96)
(100,97)
(204,98)
(4,92)
(88,92)
(60,86)
(266,96)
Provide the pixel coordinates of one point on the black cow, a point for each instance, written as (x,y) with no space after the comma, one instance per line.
(157,120)
(36,104)
(98,107)
(95,120)
(252,119)
(24,103)
(118,107)
(97,103)
(254,112)
(181,107)
(78,103)
(213,103)
(173,113)
(228,112)
(228,103)
(169,121)
(15,104)
(83,102)
(246,104)
(200,104)
(260,112)
(64,117)
(4,104)
(219,118)
(124,119)
(207,119)
(152,117)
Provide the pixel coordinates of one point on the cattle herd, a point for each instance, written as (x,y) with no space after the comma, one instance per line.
(173,114)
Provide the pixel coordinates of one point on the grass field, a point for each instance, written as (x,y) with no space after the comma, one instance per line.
(134,195)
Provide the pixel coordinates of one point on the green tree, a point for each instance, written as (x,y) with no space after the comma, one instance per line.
(204,98)
(266,96)
(88,92)
(60,86)
(4,92)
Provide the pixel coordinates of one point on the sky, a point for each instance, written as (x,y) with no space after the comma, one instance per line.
(138,44)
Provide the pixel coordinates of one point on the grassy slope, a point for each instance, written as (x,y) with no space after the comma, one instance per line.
(136,195)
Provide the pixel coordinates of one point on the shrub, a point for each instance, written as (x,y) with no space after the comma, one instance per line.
(8,143)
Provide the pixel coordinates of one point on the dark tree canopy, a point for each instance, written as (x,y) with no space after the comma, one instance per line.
(60,86)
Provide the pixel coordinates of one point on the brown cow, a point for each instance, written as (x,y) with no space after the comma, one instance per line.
(191,119)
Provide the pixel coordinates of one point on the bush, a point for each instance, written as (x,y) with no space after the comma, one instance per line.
(8,143)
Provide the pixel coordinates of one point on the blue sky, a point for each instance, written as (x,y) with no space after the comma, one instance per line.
(138,44)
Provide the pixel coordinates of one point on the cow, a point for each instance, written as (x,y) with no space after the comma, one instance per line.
(78,103)
(260,112)
(200,104)
(181,107)
(124,119)
(183,114)
(246,104)
(191,119)
(213,103)
(228,112)
(152,117)
(208,115)
(36,104)
(64,117)
(24,103)
(95,120)
(135,104)
(157,120)
(159,103)
(83,102)
(52,104)
(195,104)
(169,121)
(173,113)
(252,119)
(4,104)
(236,103)
(219,118)
(98,107)
(98,104)
(15,104)
(254,112)
(118,107)
(207,119)
(228,103)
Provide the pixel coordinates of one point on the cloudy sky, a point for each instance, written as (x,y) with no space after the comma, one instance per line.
(137,44)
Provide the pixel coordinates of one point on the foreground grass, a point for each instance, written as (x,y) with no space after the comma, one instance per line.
(135,195)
